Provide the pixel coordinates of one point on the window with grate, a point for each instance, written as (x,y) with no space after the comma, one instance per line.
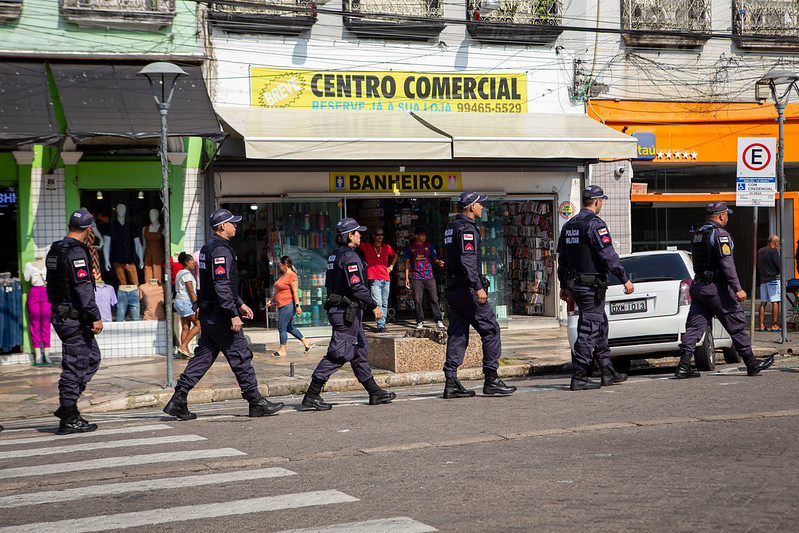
(765,24)
(280,17)
(523,21)
(394,19)
(10,10)
(119,14)
(666,23)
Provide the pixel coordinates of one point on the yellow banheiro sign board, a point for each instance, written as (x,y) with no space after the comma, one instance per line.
(395,182)
(377,91)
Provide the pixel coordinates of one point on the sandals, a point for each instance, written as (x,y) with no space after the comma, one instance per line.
(308,348)
(184,354)
(776,328)
(278,354)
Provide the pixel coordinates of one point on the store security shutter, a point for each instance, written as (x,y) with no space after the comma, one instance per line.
(26,111)
(111,100)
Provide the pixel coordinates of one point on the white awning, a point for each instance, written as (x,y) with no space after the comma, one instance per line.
(327,134)
(530,136)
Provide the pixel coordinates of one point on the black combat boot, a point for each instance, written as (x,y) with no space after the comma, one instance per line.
(313,396)
(454,389)
(376,394)
(71,421)
(684,370)
(610,375)
(494,385)
(754,365)
(580,380)
(178,406)
(260,406)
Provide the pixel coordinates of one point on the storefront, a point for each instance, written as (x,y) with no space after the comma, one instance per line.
(686,157)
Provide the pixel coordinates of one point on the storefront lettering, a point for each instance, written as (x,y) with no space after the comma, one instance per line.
(405,182)
(489,93)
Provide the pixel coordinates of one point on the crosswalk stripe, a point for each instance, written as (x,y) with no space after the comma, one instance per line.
(116,462)
(399,524)
(184,513)
(98,433)
(125,443)
(76,494)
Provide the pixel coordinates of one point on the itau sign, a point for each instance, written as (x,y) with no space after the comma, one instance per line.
(756,180)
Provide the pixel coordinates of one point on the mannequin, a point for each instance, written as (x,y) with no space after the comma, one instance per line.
(38,311)
(152,298)
(105,297)
(95,242)
(122,248)
(153,238)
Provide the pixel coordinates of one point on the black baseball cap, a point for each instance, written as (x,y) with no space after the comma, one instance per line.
(418,230)
(81,219)
(220,216)
(468,198)
(347,225)
(714,208)
(594,192)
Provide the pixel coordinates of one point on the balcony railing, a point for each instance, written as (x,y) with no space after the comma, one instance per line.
(766,23)
(677,23)
(394,19)
(10,10)
(149,15)
(280,17)
(529,21)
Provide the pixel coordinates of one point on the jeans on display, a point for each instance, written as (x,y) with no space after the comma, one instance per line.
(380,291)
(128,300)
(285,324)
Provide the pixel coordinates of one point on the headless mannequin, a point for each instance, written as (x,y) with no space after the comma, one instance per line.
(153,239)
(39,310)
(152,299)
(125,271)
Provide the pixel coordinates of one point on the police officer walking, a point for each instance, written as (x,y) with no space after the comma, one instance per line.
(221,312)
(75,318)
(716,291)
(468,301)
(585,256)
(347,296)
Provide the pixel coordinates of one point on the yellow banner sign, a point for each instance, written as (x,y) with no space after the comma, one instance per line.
(410,91)
(389,182)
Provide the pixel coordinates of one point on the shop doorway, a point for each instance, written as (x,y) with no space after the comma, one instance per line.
(9,262)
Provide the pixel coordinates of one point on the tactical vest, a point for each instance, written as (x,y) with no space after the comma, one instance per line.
(579,254)
(207,294)
(336,280)
(59,286)
(702,252)
(453,237)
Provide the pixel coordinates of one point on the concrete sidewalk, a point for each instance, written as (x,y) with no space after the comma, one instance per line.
(27,391)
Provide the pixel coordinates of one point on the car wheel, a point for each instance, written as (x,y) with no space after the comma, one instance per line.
(705,354)
(731,355)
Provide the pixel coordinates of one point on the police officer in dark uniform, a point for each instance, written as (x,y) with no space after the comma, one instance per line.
(347,296)
(75,318)
(221,312)
(585,256)
(467,301)
(716,291)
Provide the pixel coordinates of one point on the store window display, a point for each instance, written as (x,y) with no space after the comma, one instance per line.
(123,248)
(154,255)
(151,295)
(105,296)
(39,310)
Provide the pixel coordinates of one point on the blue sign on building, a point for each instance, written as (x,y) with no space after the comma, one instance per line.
(647,145)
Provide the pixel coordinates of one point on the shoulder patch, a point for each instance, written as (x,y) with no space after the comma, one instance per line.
(725,249)
(219,260)
(724,238)
(604,236)
(79,263)
(467,242)
(352,268)
(354,279)
(81,273)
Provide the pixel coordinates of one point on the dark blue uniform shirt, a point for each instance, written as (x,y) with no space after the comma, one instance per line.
(603,256)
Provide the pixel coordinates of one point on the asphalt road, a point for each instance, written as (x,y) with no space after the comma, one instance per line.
(651,454)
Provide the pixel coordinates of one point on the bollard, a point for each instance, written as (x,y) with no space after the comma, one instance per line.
(291,369)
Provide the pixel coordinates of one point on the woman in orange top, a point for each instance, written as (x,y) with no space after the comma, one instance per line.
(287,300)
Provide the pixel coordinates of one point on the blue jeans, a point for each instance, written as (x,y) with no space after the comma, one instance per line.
(128,300)
(285,323)
(380,290)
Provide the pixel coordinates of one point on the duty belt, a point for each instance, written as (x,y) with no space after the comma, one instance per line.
(208,307)
(337,300)
(67,311)
(708,276)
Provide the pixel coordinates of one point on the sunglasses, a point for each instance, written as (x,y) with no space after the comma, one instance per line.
(378,234)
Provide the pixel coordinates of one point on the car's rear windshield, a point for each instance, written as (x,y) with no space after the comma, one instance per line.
(659,267)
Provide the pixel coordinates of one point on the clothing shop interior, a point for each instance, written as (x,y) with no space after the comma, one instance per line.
(517,247)
(10,286)
(129,232)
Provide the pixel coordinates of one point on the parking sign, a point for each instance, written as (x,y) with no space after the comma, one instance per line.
(756,180)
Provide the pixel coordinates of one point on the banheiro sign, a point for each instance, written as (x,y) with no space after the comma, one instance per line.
(756,172)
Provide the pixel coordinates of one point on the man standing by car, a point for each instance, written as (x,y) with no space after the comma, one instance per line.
(768,264)
(717,292)
(585,256)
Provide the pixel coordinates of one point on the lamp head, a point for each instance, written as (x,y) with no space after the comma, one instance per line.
(773,80)
(163,74)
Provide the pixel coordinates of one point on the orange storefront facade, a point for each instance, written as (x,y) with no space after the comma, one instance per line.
(687,157)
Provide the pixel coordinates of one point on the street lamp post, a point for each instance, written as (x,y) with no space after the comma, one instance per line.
(774,82)
(162,77)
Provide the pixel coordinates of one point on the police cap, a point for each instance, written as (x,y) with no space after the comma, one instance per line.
(81,219)
(714,208)
(347,225)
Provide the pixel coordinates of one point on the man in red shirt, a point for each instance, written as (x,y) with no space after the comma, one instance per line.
(378,268)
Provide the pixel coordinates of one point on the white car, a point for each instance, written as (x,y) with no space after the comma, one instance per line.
(650,322)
